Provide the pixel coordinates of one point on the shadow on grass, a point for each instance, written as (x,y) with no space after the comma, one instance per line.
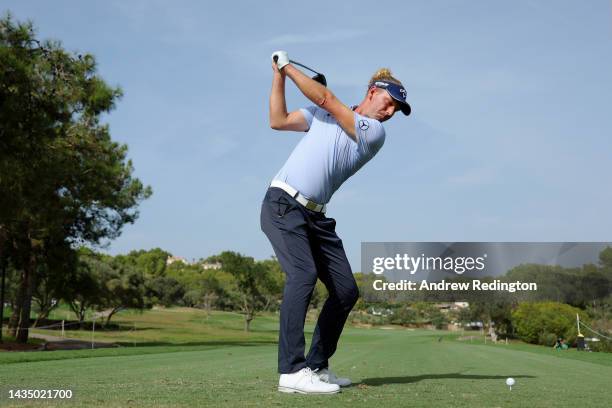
(215,343)
(374,382)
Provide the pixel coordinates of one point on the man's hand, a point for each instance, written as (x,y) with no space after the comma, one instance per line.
(279,118)
(277,73)
(280,58)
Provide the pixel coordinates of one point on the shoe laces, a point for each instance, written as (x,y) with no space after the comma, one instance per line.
(309,373)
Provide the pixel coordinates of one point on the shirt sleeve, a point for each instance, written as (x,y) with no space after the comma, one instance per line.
(308,113)
(370,133)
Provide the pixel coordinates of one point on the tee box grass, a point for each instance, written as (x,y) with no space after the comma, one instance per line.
(182,357)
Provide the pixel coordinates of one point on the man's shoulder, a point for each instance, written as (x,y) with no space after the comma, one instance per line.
(366,122)
(371,133)
(321,115)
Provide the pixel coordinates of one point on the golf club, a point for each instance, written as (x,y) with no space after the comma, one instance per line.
(319,77)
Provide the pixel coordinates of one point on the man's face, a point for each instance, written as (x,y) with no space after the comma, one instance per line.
(383,106)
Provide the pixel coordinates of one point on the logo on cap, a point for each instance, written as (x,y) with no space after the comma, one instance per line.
(364,125)
(403,92)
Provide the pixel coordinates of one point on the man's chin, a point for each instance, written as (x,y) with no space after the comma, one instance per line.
(380,118)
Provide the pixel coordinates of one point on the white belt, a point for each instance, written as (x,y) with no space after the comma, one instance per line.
(311,205)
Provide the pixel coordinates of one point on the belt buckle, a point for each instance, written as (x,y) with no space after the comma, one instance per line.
(311,205)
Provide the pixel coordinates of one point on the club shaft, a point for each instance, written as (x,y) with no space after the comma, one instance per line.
(304,66)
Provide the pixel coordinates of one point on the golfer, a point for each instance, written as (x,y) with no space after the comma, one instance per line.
(338,142)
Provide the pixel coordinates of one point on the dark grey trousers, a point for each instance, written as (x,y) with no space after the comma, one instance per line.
(307,247)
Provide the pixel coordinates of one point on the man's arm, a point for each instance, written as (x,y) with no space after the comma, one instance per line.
(279,118)
(323,98)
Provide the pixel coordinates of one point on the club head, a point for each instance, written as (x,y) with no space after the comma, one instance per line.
(320,78)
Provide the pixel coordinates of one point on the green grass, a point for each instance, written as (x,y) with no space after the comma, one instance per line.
(209,361)
(166,326)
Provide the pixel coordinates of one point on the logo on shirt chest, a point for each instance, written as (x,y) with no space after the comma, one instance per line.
(364,125)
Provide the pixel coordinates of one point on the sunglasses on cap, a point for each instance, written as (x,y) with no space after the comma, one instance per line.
(397,92)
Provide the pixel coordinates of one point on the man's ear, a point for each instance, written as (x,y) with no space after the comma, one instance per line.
(371,92)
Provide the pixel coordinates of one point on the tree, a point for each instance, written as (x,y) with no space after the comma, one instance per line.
(605,258)
(249,277)
(151,263)
(319,295)
(592,286)
(196,283)
(59,261)
(121,287)
(496,310)
(368,296)
(61,175)
(164,290)
(85,289)
(273,283)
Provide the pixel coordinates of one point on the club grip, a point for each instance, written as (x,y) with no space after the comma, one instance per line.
(275,58)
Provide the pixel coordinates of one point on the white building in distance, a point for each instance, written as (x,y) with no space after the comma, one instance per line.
(173,259)
(211,265)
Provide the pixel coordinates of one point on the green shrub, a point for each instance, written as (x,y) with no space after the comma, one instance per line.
(602,345)
(404,316)
(438,319)
(548,339)
(543,322)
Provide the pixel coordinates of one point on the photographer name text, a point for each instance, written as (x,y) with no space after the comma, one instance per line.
(495,285)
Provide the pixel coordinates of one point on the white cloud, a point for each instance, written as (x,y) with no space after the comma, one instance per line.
(328,36)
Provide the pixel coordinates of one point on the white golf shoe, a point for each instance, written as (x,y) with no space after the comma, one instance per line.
(329,377)
(305,381)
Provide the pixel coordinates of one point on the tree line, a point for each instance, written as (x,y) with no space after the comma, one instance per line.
(64,182)
(141,279)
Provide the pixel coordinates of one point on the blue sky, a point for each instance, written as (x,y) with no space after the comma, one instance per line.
(509,139)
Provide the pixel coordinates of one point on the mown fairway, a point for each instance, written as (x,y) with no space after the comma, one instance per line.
(209,361)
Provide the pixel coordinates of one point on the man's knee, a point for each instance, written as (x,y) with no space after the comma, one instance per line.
(301,279)
(349,297)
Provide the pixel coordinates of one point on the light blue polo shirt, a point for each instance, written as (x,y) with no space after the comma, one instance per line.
(327,156)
